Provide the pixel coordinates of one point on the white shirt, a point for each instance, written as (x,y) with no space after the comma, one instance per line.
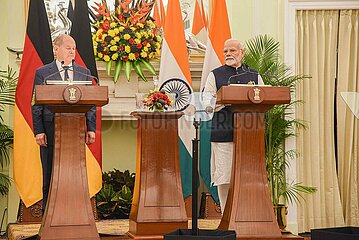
(62,72)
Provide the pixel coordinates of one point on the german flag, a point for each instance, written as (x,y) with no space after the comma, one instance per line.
(81,32)
(37,52)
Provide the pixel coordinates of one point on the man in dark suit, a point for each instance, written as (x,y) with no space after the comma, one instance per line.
(62,68)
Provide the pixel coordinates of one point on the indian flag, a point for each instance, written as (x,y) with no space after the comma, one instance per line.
(174,65)
(219,32)
(199,24)
(159,13)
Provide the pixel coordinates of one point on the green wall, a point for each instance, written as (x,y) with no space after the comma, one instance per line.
(119,145)
(249,18)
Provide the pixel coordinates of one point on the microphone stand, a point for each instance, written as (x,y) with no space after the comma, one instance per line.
(195,233)
(195,142)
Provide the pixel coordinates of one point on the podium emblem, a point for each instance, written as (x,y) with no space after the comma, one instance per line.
(72,94)
(256,95)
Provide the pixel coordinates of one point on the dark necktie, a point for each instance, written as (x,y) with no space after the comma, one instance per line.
(66,74)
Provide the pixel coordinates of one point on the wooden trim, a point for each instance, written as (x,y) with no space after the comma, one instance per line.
(26,8)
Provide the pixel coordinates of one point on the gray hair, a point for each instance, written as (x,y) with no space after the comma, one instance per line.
(59,40)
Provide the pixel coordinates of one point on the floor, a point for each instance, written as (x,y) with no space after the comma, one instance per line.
(110,229)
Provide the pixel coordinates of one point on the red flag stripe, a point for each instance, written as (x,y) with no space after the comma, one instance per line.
(23,94)
(81,32)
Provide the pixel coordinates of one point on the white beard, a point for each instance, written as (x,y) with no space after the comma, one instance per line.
(231,62)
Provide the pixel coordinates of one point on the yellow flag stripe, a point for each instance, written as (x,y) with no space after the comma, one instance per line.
(94,173)
(27,164)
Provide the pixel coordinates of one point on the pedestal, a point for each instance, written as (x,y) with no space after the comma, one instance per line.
(158,206)
(249,209)
(68,213)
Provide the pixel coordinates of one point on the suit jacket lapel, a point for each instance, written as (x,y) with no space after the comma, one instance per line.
(77,75)
(52,70)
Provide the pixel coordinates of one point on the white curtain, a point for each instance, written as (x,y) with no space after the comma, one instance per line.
(317,32)
(348,125)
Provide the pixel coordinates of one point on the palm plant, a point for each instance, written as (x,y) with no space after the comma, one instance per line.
(8,82)
(262,54)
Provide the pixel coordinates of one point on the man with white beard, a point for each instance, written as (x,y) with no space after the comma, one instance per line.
(222,123)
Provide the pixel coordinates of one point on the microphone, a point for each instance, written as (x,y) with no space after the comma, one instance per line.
(84,74)
(234,76)
(51,75)
(59,71)
(245,71)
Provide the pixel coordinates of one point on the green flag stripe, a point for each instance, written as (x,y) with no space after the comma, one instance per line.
(205,158)
(186,169)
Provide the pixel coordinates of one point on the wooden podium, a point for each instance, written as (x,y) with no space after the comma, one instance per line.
(157,206)
(249,209)
(68,214)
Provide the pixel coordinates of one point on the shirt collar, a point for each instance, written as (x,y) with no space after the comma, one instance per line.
(59,65)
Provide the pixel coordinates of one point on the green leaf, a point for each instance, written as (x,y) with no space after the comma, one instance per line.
(108,67)
(128,70)
(115,198)
(149,66)
(263,54)
(118,66)
(136,65)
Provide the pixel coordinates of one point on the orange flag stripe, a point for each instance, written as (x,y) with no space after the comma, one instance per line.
(198,23)
(162,13)
(156,15)
(204,16)
(219,29)
(174,39)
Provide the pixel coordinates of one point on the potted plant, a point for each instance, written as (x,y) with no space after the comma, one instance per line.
(8,82)
(115,198)
(262,54)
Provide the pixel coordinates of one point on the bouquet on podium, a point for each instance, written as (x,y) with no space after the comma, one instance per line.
(157,101)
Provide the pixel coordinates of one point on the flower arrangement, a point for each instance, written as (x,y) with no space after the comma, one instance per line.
(157,100)
(127,37)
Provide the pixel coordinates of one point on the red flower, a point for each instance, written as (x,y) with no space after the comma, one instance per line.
(137,54)
(121,48)
(139,46)
(131,41)
(125,59)
(105,26)
(158,101)
(144,43)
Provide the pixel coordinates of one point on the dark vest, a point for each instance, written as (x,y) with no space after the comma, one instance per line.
(222,122)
